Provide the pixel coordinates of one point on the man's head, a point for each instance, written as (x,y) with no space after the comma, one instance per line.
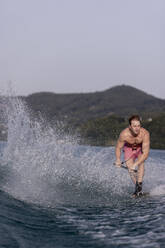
(135,124)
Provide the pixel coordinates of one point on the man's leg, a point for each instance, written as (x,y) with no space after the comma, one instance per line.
(137,177)
(131,171)
(140,178)
(140,173)
(128,156)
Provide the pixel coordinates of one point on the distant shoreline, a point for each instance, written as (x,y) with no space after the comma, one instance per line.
(99,117)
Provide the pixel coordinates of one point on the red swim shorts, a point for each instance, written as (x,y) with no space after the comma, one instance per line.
(131,153)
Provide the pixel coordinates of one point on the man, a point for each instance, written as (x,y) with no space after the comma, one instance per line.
(135,142)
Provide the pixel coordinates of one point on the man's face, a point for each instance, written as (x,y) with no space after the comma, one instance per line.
(135,127)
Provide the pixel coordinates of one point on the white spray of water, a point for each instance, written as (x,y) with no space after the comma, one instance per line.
(47,167)
(158,190)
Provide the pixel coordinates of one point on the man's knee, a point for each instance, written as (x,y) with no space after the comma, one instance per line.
(132,172)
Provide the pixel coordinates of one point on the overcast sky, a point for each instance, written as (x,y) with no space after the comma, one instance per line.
(82,45)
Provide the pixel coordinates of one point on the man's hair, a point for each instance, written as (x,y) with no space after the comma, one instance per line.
(134,117)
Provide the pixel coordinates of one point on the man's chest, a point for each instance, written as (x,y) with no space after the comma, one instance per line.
(134,140)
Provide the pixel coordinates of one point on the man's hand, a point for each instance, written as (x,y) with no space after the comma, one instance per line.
(118,163)
(133,167)
(135,164)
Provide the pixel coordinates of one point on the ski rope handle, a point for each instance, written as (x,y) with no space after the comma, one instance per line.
(125,167)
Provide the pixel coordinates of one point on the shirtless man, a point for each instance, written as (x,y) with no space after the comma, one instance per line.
(135,142)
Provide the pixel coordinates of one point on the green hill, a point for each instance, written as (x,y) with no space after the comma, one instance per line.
(100,116)
(76,109)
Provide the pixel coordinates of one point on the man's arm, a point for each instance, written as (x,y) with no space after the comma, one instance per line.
(145,149)
(119,145)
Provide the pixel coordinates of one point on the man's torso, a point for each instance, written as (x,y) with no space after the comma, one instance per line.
(130,139)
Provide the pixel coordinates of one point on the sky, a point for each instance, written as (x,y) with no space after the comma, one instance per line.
(72,46)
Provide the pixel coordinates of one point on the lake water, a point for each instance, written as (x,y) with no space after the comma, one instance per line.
(56,193)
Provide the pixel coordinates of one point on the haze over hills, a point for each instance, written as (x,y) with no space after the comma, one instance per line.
(98,117)
(79,107)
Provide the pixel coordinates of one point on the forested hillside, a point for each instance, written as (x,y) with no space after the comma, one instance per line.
(79,108)
(100,116)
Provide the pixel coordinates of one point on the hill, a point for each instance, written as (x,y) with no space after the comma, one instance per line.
(100,116)
(78,108)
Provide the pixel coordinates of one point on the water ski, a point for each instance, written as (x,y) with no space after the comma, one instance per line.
(142,194)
